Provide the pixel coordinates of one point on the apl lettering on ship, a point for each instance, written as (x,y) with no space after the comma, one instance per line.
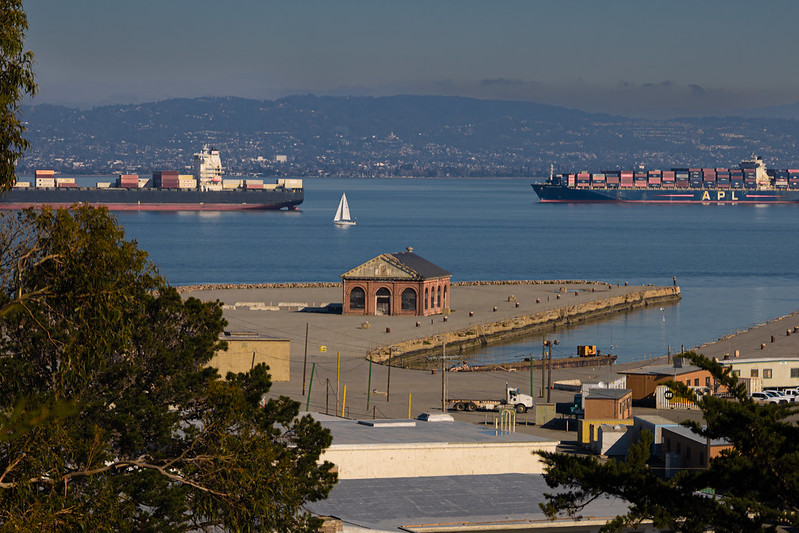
(204,190)
(750,183)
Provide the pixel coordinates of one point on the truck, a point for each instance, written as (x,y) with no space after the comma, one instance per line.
(514,399)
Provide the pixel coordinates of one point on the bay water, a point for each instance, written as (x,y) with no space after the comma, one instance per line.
(737,266)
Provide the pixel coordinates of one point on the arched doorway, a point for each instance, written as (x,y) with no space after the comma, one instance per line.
(383,304)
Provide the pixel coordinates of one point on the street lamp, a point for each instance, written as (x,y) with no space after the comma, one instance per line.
(547,343)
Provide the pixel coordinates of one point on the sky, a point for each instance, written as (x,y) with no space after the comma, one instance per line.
(637,57)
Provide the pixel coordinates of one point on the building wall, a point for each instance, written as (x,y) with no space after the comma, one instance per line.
(644,385)
(608,407)
(772,372)
(242,355)
(433,305)
(587,428)
(693,453)
(435,459)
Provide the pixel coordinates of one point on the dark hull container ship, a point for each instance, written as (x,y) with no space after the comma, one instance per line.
(204,190)
(750,183)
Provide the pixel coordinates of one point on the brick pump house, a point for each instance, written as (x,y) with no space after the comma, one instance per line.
(401,283)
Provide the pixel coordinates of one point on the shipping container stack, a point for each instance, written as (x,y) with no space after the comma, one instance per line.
(781,179)
(612,179)
(653,178)
(723,178)
(627,178)
(166,179)
(128,181)
(750,179)
(793,178)
(598,181)
(639,179)
(709,178)
(736,178)
(668,179)
(583,180)
(45,178)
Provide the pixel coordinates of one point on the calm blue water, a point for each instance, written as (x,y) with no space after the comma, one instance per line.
(736,265)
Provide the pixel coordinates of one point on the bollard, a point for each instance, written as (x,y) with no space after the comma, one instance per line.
(576,293)
(388,330)
(772,338)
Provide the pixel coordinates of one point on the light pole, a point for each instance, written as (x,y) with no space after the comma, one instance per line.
(547,343)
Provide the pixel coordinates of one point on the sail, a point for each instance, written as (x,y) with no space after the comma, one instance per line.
(343,212)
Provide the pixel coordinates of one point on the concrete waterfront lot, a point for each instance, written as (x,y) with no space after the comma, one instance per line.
(278,316)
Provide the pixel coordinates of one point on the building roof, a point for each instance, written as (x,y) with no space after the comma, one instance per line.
(397,266)
(699,439)
(408,432)
(607,394)
(662,370)
(489,502)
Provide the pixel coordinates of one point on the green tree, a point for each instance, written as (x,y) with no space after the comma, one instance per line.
(754,486)
(110,418)
(16,81)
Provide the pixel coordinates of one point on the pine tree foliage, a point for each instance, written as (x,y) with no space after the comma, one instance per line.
(109,417)
(16,82)
(753,487)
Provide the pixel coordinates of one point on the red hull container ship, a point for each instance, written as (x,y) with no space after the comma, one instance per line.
(204,190)
(750,183)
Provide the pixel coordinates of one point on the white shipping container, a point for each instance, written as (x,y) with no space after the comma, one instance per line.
(103,184)
(187,182)
(143,182)
(254,182)
(290,183)
(22,184)
(45,182)
(60,181)
(270,186)
(231,184)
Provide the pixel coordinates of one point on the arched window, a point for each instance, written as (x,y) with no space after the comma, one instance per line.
(438,297)
(357,298)
(446,302)
(426,298)
(409,300)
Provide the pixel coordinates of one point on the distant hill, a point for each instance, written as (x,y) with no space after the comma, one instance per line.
(387,136)
(787,111)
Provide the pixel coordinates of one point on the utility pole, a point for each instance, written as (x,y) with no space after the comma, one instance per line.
(549,371)
(305,359)
(443,378)
(543,367)
(388,385)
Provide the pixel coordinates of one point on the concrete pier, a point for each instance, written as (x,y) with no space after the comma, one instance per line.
(393,391)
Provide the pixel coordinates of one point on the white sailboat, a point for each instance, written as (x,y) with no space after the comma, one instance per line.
(342,217)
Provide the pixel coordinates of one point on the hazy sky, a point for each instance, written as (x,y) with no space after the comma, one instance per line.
(637,57)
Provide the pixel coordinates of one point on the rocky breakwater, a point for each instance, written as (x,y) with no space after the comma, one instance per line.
(416,353)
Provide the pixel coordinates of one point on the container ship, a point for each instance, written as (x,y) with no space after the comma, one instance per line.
(750,183)
(166,190)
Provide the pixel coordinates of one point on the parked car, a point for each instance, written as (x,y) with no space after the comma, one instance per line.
(778,394)
(764,397)
(793,394)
